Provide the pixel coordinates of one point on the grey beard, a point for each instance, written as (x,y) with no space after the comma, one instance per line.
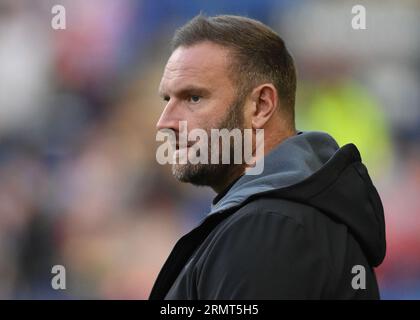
(213,174)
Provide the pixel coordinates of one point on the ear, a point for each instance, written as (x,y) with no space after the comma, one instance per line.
(265,100)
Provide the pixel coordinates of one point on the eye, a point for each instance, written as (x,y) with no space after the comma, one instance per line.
(194,99)
(166,98)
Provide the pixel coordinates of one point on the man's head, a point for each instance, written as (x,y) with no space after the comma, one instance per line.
(227,72)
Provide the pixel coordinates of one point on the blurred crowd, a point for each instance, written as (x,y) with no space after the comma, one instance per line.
(79,182)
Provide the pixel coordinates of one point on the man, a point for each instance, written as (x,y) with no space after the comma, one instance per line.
(311,225)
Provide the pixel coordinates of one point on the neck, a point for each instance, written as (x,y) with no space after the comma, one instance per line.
(270,142)
(235,173)
(273,141)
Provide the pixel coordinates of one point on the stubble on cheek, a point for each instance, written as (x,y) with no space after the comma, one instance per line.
(210,174)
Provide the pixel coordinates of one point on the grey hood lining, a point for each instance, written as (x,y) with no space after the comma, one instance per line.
(292,161)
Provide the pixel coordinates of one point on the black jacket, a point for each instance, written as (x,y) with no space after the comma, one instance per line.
(300,230)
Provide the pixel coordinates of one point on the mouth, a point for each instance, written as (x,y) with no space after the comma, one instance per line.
(178,147)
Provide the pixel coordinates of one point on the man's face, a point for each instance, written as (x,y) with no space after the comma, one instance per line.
(197,88)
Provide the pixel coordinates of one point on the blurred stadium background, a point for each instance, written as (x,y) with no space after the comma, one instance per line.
(79,184)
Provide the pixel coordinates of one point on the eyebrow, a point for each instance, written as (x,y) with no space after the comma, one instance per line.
(186,90)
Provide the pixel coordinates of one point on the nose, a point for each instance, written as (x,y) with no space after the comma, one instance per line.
(168,119)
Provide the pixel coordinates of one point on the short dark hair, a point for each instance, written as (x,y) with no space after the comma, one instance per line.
(259,54)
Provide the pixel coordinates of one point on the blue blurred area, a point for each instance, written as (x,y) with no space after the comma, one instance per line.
(79,183)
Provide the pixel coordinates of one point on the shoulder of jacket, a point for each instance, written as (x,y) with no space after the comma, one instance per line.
(264,208)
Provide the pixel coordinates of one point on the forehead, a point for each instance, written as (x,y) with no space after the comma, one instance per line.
(204,64)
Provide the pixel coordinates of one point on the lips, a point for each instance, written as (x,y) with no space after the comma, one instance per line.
(189,145)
